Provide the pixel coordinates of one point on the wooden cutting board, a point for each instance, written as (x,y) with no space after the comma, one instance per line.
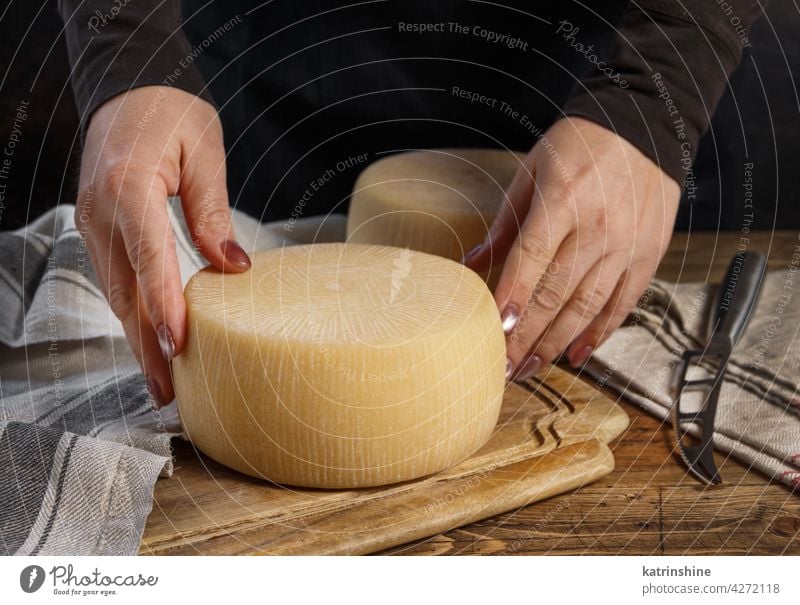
(552,437)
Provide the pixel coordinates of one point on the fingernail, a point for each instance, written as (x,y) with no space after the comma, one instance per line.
(469,256)
(579,356)
(155,392)
(166,342)
(509,368)
(509,317)
(234,253)
(530,365)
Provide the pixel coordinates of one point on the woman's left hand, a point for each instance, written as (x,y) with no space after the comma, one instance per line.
(584,225)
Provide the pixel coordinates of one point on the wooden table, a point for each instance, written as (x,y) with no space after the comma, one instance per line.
(647,505)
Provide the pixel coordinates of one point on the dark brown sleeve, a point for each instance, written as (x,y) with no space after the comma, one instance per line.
(114,46)
(669,69)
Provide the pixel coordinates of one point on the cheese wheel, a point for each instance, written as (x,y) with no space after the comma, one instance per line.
(340,365)
(438,201)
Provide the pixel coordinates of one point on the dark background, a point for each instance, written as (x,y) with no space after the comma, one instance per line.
(758,120)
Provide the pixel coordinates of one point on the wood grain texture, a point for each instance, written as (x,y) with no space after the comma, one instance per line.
(551,438)
(646,505)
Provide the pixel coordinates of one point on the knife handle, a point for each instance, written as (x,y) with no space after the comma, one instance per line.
(738,295)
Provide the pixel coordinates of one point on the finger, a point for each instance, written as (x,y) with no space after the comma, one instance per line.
(155,368)
(622,301)
(526,368)
(504,229)
(588,300)
(547,297)
(532,252)
(118,282)
(204,198)
(150,246)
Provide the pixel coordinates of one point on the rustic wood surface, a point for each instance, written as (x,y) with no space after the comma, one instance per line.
(647,505)
(550,438)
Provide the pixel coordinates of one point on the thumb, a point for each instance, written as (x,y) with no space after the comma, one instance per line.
(504,229)
(204,198)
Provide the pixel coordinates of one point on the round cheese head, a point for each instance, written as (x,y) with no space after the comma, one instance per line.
(438,201)
(340,365)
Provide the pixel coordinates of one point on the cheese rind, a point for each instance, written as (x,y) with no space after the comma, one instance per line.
(439,201)
(339,365)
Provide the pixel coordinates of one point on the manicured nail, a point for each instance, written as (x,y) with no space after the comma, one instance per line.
(579,356)
(469,256)
(509,317)
(166,342)
(509,368)
(530,365)
(155,392)
(234,253)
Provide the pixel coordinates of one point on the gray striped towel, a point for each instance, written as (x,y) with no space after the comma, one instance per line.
(80,444)
(758,415)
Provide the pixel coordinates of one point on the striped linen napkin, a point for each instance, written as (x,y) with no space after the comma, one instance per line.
(758,415)
(80,444)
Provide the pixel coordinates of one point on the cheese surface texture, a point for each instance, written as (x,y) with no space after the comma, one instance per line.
(340,365)
(437,201)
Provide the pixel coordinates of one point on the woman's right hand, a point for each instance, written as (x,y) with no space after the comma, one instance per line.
(141,147)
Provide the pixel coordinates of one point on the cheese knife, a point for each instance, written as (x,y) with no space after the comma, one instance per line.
(730,313)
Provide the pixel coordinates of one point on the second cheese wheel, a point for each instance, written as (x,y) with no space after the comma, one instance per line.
(340,365)
(439,201)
